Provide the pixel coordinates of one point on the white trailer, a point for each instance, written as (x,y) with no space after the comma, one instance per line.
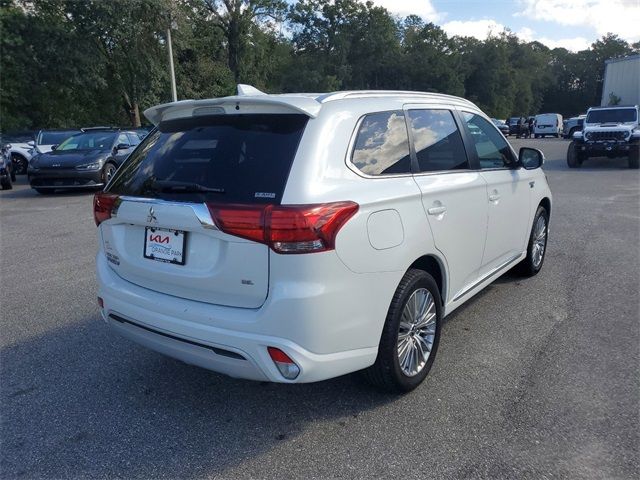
(621,81)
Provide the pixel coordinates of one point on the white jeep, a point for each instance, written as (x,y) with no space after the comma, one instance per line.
(608,132)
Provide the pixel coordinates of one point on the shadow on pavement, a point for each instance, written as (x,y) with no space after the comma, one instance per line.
(137,413)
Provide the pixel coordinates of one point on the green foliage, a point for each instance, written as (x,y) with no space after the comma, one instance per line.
(70,63)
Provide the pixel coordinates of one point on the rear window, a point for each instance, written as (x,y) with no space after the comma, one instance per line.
(382,145)
(237,158)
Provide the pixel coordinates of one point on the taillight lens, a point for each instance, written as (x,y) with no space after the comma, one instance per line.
(103,206)
(286,228)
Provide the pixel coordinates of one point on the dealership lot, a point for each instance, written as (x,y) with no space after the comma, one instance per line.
(534,378)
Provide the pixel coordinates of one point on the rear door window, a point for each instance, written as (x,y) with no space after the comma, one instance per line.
(437,141)
(382,145)
(221,158)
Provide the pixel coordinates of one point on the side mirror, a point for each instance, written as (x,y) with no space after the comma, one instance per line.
(53,147)
(31,143)
(530,158)
(123,146)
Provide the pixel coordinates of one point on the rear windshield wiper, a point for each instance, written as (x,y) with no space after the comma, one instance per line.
(184,187)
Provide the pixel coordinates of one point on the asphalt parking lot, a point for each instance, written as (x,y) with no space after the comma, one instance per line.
(535,378)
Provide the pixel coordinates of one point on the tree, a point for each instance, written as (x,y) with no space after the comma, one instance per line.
(235,18)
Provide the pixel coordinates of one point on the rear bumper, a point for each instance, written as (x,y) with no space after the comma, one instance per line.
(64,178)
(196,332)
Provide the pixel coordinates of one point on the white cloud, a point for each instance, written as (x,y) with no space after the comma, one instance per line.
(479,29)
(621,17)
(404,8)
(573,44)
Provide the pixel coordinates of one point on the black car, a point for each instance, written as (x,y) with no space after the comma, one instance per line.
(87,159)
(503,127)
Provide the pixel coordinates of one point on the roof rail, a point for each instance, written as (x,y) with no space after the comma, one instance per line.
(388,93)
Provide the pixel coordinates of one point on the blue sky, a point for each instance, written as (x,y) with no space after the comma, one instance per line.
(573,24)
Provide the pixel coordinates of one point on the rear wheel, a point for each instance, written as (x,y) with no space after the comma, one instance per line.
(537,246)
(410,335)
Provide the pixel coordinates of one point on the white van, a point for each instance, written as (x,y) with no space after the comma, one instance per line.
(548,124)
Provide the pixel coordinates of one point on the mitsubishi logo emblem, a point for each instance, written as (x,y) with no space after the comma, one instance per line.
(151,218)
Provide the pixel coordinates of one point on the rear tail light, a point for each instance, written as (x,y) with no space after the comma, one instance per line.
(104,206)
(285,365)
(285,228)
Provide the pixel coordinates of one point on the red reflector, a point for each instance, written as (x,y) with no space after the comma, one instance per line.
(286,228)
(100,302)
(103,205)
(278,355)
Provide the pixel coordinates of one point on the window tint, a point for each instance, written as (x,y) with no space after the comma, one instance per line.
(244,158)
(492,148)
(382,145)
(437,141)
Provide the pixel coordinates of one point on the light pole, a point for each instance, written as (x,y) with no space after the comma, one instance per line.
(174,94)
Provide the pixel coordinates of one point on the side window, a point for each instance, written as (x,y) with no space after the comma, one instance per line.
(492,148)
(382,145)
(122,138)
(133,139)
(437,141)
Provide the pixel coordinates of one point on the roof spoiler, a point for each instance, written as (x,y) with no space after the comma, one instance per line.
(248,100)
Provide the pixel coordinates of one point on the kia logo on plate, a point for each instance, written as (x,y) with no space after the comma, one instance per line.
(159,238)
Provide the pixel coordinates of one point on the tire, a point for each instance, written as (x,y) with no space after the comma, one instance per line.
(45,191)
(538,237)
(573,157)
(6,184)
(388,372)
(536,136)
(12,173)
(634,158)
(19,163)
(107,171)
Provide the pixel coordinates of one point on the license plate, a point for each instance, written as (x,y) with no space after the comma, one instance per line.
(164,245)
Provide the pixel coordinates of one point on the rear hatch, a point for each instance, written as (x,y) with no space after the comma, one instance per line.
(161,235)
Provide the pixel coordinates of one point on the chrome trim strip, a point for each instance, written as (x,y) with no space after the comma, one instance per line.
(60,187)
(484,278)
(200,210)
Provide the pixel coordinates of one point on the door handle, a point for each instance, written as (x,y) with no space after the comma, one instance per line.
(437,210)
(494,197)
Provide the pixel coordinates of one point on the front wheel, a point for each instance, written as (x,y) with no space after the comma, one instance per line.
(410,336)
(537,246)
(19,164)
(108,171)
(634,157)
(573,156)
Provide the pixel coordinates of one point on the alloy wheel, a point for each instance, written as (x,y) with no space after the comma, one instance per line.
(539,241)
(417,332)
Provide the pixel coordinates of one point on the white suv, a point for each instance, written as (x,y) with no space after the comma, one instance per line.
(295,238)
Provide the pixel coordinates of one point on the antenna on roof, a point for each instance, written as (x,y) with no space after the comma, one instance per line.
(248,90)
